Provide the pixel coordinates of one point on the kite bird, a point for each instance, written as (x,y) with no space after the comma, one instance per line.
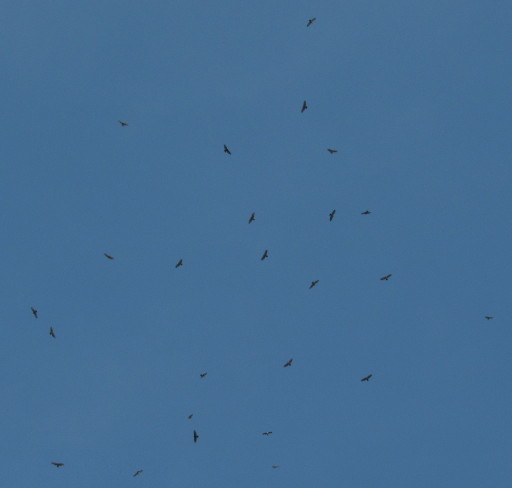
(386,278)
(123,124)
(34,311)
(226,150)
(138,472)
(267,433)
(310,21)
(367,378)
(202,375)
(108,256)
(331,215)
(366,213)
(289,363)
(304,106)
(180,263)
(252,218)
(274,466)
(190,416)
(196,436)
(265,255)
(52,333)
(58,465)
(488,317)
(313,283)
(332,151)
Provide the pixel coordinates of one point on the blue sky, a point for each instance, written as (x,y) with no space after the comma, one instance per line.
(415,96)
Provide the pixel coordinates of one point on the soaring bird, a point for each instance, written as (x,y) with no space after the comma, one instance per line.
(367,378)
(138,472)
(304,106)
(265,255)
(331,215)
(488,317)
(190,416)
(58,464)
(52,333)
(267,433)
(332,151)
(108,255)
(226,150)
(252,218)
(310,21)
(34,311)
(366,213)
(386,278)
(180,263)
(196,436)
(275,466)
(202,375)
(313,283)
(289,363)
(123,124)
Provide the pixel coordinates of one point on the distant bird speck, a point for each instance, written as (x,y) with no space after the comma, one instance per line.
(304,106)
(108,255)
(190,416)
(180,263)
(288,364)
(366,213)
(275,466)
(367,378)
(196,436)
(58,465)
(386,278)
(488,317)
(313,283)
(332,151)
(123,124)
(34,311)
(226,150)
(252,217)
(310,21)
(202,375)
(267,433)
(331,215)
(265,255)
(52,333)
(138,472)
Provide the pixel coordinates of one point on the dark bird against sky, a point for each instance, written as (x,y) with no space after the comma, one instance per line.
(34,311)
(196,436)
(108,255)
(386,278)
(275,466)
(367,212)
(313,283)
(252,217)
(180,263)
(58,464)
(367,378)
(289,363)
(138,472)
(267,433)
(488,317)
(331,215)
(190,416)
(332,151)
(226,150)
(123,124)
(310,21)
(52,333)
(304,106)
(202,375)
(265,255)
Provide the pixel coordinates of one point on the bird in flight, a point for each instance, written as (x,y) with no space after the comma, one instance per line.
(226,150)
(252,218)
(267,433)
(265,255)
(274,466)
(202,375)
(304,106)
(366,213)
(108,255)
(313,283)
(138,472)
(310,21)
(52,333)
(289,363)
(180,263)
(488,317)
(123,124)
(190,416)
(386,278)
(332,151)
(196,436)
(331,215)
(367,378)
(58,465)
(34,311)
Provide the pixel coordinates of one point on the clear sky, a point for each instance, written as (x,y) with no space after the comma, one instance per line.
(416,98)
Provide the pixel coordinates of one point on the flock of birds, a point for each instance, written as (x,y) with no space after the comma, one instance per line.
(265,255)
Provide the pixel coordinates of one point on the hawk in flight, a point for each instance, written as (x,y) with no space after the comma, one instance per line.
(202,375)
(366,213)
(488,317)
(138,472)
(196,436)
(313,283)
(331,215)
(265,255)
(180,263)
(367,378)
(123,124)
(34,311)
(58,465)
(252,218)
(289,363)
(386,278)
(332,151)
(304,106)
(267,433)
(52,333)
(108,256)
(226,150)
(310,21)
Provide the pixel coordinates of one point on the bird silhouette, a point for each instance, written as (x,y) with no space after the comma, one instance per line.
(304,106)
(386,278)
(252,218)
(58,465)
(331,215)
(226,150)
(265,255)
(488,317)
(202,375)
(190,416)
(34,311)
(367,212)
(123,124)
(52,333)
(332,151)
(310,21)
(289,363)
(196,436)
(275,466)
(313,283)
(180,263)
(267,433)
(108,255)
(367,378)
(138,472)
